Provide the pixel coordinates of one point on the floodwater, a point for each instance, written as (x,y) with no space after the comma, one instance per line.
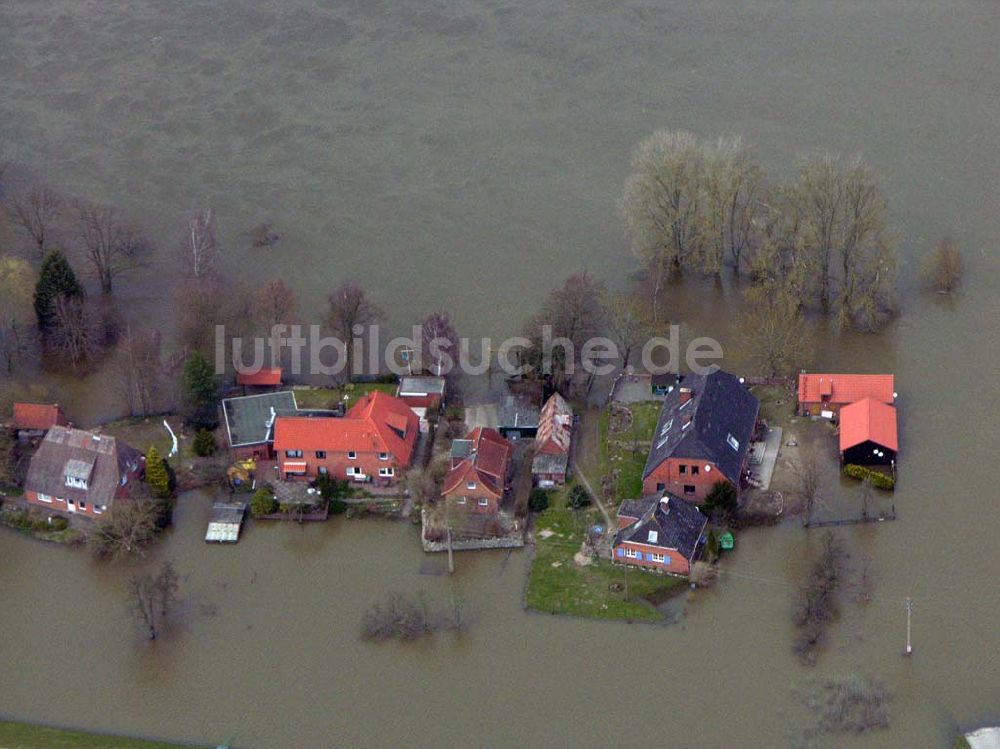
(466,155)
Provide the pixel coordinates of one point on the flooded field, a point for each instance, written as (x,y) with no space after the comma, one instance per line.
(467,155)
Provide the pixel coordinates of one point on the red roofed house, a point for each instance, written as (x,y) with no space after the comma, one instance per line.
(826,394)
(374,441)
(35,419)
(266,377)
(555,431)
(868,433)
(480,471)
(80,472)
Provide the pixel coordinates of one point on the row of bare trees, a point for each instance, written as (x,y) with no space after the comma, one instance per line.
(818,241)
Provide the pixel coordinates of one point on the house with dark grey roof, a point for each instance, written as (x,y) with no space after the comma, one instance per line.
(518,417)
(81,473)
(662,533)
(702,437)
(250,422)
(422,391)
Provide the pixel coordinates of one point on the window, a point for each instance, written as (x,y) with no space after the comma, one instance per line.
(660,487)
(470,485)
(694,470)
(385,472)
(98,509)
(44,497)
(483,501)
(656,558)
(76,483)
(689,489)
(351,455)
(631,553)
(293,453)
(683,469)
(461,500)
(351,471)
(83,505)
(733,442)
(383,456)
(323,470)
(320,454)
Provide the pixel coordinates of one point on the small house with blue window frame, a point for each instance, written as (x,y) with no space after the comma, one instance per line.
(659,533)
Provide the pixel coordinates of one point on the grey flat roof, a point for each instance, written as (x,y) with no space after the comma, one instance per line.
(248,417)
(421,385)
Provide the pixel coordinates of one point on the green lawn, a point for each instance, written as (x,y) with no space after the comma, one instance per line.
(628,458)
(557,585)
(328,397)
(25,736)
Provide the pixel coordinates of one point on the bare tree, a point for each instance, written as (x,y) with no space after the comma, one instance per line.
(75,334)
(198,247)
(662,205)
(112,246)
(943,267)
(16,284)
(439,343)
(138,369)
(808,475)
(125,529)
(153,596)
(628,322)
(351,311)
(274,304)
(776,338)
(734,185)
(35,211)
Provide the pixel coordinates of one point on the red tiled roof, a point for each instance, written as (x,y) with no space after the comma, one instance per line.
(555,426)
(846,388)
(868,419)
(266,376)
(38,416)
(376,423)
(487,463)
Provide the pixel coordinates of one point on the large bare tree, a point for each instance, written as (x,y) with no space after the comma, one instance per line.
(734,186)
(35,211)
(351,312)
(628,321)
(112,246)
(75,333)
(153,597)
(125,529)
(438,340)
(776,338)
(198,247)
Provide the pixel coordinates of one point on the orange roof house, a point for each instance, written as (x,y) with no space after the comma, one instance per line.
(266,377)
(374,441)
(480,467)
(552,442)
(829,392)
(868,433)
(37,417)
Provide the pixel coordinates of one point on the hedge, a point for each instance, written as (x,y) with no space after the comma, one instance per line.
(878,480)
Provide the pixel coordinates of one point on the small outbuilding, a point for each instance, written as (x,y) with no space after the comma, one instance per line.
(422,391)
(267,377)
(226,522)
(868,433)
(35,419)
(518,417)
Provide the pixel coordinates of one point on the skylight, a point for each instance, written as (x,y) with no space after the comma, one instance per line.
(666,427)
(733,442)
(653,536)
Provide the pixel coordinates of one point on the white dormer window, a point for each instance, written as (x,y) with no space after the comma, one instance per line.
(76,483)
(352,455)
(733,442)
(383,456)
(470,485)
(654,536)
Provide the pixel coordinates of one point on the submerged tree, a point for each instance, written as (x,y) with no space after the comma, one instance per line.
(439,344)
(943,267)
(351,312)
(153,597)
(55,278)
(16,282)
(35,212)
(776,337)
(198,246)
(628,322)
(200,393)
(125,529)
(138,370)
(74,332)
(112,246)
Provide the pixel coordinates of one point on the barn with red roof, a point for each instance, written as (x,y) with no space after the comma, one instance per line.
(868,433)
(826,394)
(374,442)
(35,419)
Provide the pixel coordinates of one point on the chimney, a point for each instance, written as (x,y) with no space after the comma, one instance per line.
(684,395)
(665,504)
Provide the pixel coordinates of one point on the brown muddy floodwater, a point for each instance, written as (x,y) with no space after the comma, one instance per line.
(464,155)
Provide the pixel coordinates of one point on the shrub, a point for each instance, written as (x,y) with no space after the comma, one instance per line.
(157,474)
(263,503)
(333,488)
(337,506)
(712,546)
(538,500)
(204,443)
(578,497)
(877,479)
(722,499)
(817,603)
(852,704)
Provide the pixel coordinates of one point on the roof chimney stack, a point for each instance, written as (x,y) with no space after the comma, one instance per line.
(684,395)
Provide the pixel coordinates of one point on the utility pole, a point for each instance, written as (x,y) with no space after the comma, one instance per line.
(909,614)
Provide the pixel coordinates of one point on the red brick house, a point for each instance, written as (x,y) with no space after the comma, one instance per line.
(826,394)
(374,442)
(35,419)
(868,435)
(250,422)
(552,443)
(78,472)
(659,533)
(480,472)
(702,437)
